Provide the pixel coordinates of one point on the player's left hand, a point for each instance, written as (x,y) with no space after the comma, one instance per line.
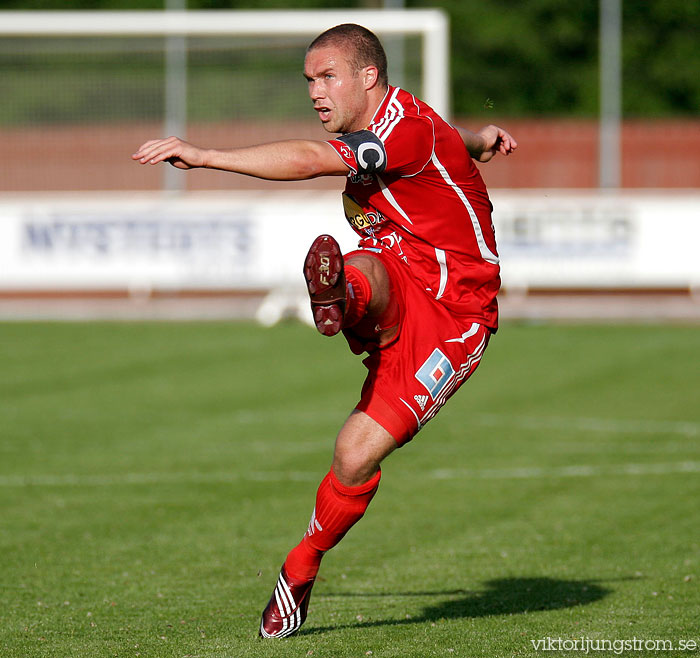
(496,140)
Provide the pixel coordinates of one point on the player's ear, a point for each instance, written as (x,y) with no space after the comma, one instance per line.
(371,76)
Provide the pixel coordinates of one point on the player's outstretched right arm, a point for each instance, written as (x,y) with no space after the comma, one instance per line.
(296,159)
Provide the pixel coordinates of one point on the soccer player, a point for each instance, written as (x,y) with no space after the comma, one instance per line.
(419,295)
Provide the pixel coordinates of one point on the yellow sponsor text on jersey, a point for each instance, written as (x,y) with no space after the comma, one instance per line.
(357,217)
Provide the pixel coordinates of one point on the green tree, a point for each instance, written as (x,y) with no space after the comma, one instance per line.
(661,58)
(535,58)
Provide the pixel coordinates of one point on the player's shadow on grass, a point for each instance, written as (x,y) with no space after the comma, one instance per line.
(502,596)
(509,596)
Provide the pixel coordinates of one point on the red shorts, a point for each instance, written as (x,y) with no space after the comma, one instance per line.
(433,354)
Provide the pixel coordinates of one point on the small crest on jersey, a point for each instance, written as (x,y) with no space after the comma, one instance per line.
(422,400)
(358,218)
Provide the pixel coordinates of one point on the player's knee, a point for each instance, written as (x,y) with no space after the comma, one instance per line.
(354,477)
(353,467)
(360,447)
(372,268)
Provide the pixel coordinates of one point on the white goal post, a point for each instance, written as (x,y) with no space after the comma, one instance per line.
(430,24)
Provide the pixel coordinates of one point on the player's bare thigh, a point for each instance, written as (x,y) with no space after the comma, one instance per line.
(361,446)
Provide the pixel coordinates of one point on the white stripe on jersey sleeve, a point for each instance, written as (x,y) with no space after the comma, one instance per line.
(392,115)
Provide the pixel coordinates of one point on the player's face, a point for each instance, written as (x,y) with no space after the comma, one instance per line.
(337,92)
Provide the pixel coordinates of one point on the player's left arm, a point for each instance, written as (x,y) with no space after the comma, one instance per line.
(485,143)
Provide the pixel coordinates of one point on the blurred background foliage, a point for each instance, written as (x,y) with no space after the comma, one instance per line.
(536,58)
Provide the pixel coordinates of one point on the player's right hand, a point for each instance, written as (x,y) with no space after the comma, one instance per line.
(496,140)
(177,152)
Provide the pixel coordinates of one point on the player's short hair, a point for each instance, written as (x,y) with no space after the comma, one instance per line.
(366,48)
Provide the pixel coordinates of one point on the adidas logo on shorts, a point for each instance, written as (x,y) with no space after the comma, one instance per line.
(422,400)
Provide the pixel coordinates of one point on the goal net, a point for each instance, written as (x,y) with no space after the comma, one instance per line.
(81,90)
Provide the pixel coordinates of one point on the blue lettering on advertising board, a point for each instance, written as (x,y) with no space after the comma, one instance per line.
(103,236)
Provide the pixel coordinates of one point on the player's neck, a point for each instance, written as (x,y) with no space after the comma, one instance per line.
(375,99)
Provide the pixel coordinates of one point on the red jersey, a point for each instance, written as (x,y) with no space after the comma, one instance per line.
(414,190)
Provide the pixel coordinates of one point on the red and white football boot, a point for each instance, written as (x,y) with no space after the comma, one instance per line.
(324,271)
(286,611)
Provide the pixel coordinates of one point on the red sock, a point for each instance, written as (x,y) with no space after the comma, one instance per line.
(358,294)
(338,508)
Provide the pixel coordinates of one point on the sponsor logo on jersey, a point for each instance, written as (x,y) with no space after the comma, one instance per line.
(364,179)
(359,219)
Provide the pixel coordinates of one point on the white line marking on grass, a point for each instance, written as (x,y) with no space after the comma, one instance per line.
(609,425)
(559,423)
(535,472)
(603,425)
(73,480)
(526,473)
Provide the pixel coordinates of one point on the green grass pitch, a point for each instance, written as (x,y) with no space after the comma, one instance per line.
(153,477)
